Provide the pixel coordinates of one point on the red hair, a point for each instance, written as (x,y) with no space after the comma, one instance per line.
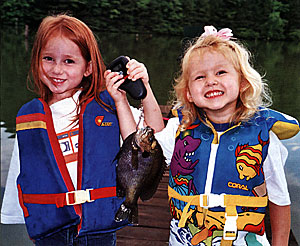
(79,33)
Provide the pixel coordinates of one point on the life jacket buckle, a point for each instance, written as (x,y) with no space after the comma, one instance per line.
(79,197)
(211,200)
(230,227)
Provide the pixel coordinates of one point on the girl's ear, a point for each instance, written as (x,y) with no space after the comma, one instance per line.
(189,96)
(89,69)
(243,84)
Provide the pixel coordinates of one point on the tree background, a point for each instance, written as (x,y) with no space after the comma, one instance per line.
(255,19)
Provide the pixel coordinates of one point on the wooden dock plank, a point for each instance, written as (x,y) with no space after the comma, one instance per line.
(144,234)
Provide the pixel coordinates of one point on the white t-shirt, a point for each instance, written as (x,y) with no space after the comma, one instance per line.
(274,175)
(63,113)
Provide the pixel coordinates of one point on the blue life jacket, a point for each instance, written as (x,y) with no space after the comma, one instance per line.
(44,181)
(238,155)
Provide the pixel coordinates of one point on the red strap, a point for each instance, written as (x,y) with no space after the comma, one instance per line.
(60,198)
(103,193)
(21,201)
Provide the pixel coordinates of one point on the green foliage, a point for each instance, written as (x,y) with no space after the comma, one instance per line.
(275,24)
(255,19)
(16,11)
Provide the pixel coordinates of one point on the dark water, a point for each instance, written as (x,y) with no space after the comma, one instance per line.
(279,61)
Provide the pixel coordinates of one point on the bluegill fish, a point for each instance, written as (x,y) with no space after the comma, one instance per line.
(141,165)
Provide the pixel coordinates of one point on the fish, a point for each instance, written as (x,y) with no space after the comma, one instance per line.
(141,165)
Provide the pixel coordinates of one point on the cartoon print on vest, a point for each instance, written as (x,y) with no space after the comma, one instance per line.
(181,163)
(249,159)
(205,227)
(181,169)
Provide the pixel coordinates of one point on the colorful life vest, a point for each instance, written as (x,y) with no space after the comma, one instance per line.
(47,196)
(237,198)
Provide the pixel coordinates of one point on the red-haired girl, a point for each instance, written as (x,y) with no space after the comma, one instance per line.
(64,166)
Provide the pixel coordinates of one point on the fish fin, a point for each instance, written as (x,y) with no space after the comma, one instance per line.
(151,187)
(117,156)
(149,193)
(120,191)
(126,142)
(134,159)
(133,217)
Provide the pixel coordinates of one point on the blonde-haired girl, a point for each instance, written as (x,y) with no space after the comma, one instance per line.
(226,159)
(253,93)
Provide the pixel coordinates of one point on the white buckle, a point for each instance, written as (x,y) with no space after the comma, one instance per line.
(80,196)
(230,227)
(212,200)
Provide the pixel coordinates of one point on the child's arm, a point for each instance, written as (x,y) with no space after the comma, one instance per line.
(152,112)
(126,120)
(280,217)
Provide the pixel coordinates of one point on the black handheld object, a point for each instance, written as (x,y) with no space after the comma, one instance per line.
(136,89)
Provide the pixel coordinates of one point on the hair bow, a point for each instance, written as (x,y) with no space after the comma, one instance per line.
(224,33)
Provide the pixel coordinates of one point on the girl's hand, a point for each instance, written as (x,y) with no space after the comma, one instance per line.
(113,80)
(137,70)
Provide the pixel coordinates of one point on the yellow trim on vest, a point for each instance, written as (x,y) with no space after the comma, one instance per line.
(226,242)
(31,125)
(174,112)
(230,203)
(285,130)
(216,139)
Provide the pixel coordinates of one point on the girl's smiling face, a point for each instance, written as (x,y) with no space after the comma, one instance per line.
(213,85)
(62,67)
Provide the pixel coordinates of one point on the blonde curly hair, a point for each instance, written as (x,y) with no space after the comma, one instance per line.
(253,95)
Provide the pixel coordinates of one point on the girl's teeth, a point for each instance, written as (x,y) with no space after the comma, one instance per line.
(213,94)
(58,80)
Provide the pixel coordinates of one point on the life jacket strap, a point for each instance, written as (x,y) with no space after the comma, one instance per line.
(70,198)
(78,197)
(230,202)
(226,242)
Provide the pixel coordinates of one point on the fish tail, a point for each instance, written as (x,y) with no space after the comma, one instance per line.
(122,213)
(126,212)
